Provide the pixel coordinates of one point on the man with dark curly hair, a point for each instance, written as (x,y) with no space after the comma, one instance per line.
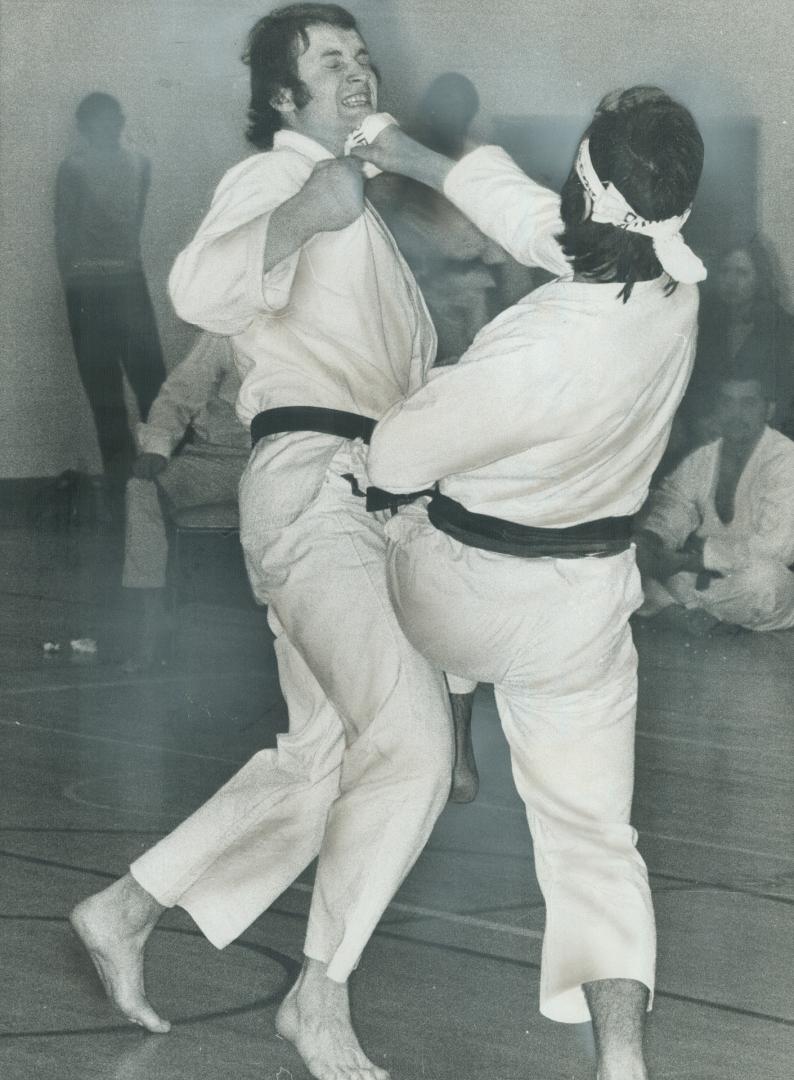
(329,331)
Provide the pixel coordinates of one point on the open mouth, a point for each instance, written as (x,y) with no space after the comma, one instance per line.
(359,100)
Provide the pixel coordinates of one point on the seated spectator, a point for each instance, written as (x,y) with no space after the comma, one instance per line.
(199,394)
(716,539)
(743,323)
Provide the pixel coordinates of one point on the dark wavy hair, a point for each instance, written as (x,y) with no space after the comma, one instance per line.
(272,54)
(766,263)
(650,148)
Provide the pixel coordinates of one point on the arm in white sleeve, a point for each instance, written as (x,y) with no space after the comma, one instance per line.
(491,405)
(671,511)
(520,215)
(219,281)
(772,536)
(184,394)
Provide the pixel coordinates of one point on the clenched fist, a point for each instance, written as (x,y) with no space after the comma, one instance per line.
(336,191)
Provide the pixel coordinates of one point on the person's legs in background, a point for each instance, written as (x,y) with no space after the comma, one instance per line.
(98,343)
(141,355)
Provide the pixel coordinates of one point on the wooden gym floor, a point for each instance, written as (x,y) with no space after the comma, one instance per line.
(96,764)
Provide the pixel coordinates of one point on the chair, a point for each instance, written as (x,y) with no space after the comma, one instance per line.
(205,558)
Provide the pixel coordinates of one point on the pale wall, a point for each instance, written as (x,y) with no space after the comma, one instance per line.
(174,65)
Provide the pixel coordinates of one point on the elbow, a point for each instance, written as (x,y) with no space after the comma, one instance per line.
(195,301)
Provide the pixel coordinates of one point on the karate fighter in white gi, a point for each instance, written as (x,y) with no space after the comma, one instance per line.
(520,571)
(716,539)
(330,331)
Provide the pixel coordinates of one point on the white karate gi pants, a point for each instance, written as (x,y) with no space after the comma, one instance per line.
(552,635)
(759,596)
(364,771)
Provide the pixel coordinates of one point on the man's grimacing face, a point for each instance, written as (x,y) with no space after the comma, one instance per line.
(343,88)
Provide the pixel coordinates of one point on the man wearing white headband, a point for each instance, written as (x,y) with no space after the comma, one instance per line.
(519,571)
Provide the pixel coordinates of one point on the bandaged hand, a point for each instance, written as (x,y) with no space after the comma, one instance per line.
(335,191)
(394,151)
(387,150)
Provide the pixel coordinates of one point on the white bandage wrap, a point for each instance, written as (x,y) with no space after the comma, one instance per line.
(367,132)
(609,207)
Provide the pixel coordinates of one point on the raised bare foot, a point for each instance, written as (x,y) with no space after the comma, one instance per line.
(114,925)
(465,778)
(315,1018)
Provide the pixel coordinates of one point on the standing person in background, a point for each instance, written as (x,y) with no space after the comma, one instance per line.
(198,397)
(100,198)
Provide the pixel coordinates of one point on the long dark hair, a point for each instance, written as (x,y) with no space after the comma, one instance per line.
(272,54)
(650,148)
(766,263)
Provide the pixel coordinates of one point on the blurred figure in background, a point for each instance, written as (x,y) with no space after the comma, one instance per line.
(100,199)
(198,397)
(459,270)
(743,322)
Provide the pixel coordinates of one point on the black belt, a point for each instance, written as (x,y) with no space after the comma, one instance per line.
(346,425)
(607,536)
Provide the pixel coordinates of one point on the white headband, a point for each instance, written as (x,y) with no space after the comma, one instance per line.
(608,206)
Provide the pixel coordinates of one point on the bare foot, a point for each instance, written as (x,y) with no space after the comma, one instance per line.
(315,1018)
(114,925)
(465,778)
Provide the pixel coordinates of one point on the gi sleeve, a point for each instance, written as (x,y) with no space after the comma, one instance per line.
(217,282)
(184,394)
(772,535)
(500,199)
(672,511)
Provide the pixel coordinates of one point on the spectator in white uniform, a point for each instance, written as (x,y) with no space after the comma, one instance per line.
(521,572)
(198,398)
(716,539)
(330,331)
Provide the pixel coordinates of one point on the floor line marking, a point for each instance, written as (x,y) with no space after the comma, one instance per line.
(445,916)
(110,684)
(120,742)
(484,805)
(656,736)
(479,803)
(20,691)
